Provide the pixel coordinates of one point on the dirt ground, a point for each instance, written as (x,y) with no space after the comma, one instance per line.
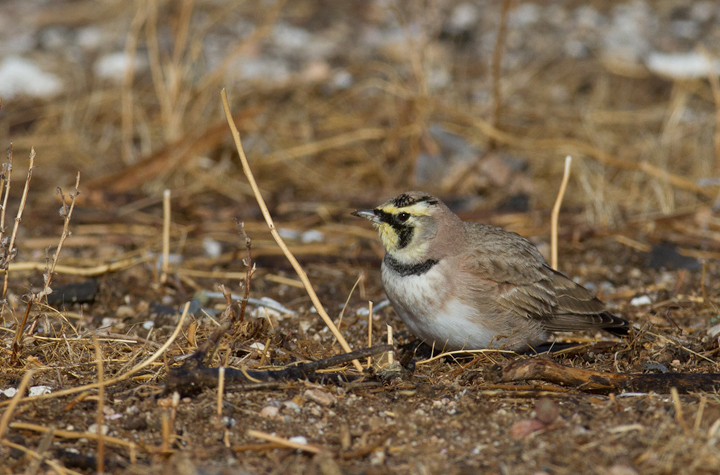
(340,106)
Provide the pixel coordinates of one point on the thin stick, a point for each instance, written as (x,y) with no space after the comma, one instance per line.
(166,236)
(14,402)
(268,219)
(20,329)
(699,415)
(248,272)
(122,377)
(221,389)
(347,301)
(284,442)
(370,320)
(18,218)
(678,410)
(6,179)
(100,418)
(390,342)
(82,271)
(556,214)
(67,214)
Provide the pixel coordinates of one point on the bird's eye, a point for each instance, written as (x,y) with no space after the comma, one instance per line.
(402,217)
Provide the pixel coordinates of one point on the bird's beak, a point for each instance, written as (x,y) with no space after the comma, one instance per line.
(368,214)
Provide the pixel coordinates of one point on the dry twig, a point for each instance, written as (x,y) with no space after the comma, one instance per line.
(556,213)
(268,219)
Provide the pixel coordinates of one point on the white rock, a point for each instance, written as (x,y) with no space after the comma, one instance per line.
(269,412)
(148,324)
(123,311)
(312,236)
(290,37)
(264,312)
(274,71)
(464,17)
(108,322)
(524,15)
(298,439)
(639,301)
(377,458)
(292,406)
(714,330)
(320,396)
(212,248)
(115,65)
(342,79)
(22,77)
(681,65)
(94,429)
(287,233)
(89,38)
(258,346)
(9,392)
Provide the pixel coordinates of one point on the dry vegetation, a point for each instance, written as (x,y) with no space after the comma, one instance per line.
(373,98)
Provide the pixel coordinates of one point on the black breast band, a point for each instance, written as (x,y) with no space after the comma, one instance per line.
(408,269)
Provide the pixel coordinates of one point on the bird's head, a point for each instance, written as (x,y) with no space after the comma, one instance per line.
(408,223)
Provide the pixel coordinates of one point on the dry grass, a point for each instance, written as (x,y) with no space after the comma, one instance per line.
(317,152)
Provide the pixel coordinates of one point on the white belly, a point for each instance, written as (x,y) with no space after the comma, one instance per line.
(432,312)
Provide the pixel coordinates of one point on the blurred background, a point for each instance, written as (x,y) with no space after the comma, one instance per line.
(342,105)
(345,104)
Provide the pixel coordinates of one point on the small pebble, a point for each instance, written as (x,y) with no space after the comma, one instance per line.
(292,406)
(525,427)
(640,301)
(298,439)
(546,410)
(377,458)
(269,411)
(319,396)
(621,470)
(94,429)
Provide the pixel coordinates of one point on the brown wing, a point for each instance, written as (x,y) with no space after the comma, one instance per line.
(528,287)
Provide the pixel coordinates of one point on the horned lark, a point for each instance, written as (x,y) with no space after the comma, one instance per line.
(461,285)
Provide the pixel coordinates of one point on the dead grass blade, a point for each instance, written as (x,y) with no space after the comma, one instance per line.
(268,219)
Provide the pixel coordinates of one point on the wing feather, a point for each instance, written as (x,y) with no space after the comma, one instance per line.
(526,286)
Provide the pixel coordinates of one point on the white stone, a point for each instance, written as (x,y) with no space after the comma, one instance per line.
(464,17)
(22,77)
(639,301)
(690,65)
(258,346)
(115,65)
(94,429)
(312,236)
(270,412)
(298,439)
(524,15)
(212,248)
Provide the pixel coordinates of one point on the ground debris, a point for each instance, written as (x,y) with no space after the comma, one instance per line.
(603,382)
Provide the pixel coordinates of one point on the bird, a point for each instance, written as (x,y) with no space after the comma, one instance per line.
(461,285)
